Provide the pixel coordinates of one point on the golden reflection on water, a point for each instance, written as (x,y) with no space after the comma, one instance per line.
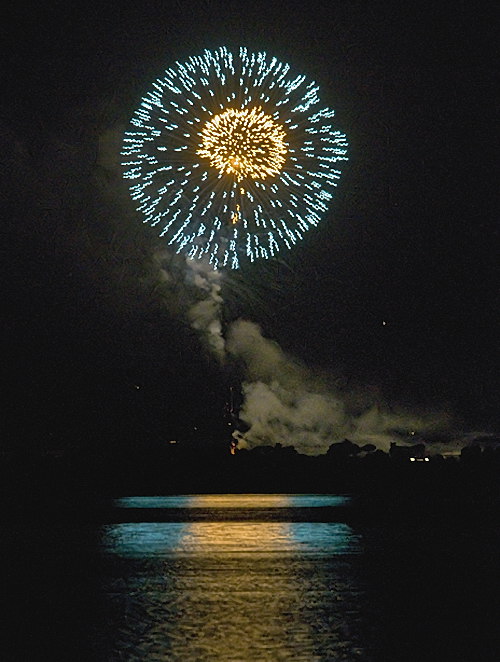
(239,591)
(232,501)
(248,609)
(239,500)
(235,538)
(237,610)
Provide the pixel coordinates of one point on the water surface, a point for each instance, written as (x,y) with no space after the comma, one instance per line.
(253,578)
(248,501)
(233,591)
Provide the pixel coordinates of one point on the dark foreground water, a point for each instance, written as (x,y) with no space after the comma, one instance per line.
(252,578)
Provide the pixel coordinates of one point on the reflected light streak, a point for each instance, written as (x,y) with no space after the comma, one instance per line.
(236,591)
(166,539)
(249,501)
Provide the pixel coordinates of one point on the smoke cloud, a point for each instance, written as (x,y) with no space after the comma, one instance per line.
(284,401)
(287,403)
(205,315)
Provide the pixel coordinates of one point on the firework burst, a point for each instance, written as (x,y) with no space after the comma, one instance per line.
(231,156)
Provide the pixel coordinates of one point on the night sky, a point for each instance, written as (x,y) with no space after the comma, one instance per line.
(391,300)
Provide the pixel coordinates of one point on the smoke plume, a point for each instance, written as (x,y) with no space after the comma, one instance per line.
(205,315)
(285,402)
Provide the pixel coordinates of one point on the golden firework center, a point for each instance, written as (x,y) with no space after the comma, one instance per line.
(246,143)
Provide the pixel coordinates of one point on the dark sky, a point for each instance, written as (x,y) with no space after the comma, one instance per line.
(395,292)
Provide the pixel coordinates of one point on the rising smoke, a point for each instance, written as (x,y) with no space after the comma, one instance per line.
(284,401)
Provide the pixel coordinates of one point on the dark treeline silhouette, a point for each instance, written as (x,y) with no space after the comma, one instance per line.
(68,480)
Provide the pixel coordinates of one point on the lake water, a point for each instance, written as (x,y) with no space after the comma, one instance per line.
(252,578)
(234,590)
